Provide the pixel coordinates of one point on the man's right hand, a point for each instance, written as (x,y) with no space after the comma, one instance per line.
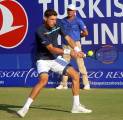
(81,54)
(75,54)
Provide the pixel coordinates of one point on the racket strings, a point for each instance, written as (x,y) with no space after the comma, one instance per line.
(106,54)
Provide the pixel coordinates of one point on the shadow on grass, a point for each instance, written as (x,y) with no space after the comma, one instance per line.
(49,107)
(10,108)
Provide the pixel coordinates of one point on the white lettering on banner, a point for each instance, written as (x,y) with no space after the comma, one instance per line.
(85,42)
(32,69)
(94,74)
(105,75)
(32,73)
(120,6)
(25,74)
(19,74)
(96,34)
(93,7)
(106,83)
(105,29)
(122,33)
(80,7)
(12,74)
(56,7)
(45,4)
(114,75)
(108,5)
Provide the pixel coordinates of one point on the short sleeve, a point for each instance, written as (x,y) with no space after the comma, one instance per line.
(81,24)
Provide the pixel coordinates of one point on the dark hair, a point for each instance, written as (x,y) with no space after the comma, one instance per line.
(50,12)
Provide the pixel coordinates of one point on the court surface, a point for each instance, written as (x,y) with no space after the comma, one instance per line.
(52,104)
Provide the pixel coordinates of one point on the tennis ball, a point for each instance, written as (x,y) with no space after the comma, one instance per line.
(90,53)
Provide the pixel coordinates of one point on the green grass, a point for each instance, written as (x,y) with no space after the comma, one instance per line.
(51,104)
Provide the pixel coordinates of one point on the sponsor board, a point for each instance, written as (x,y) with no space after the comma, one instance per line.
(19,20)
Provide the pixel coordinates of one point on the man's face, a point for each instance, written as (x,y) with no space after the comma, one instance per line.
(71,13)
(51,21)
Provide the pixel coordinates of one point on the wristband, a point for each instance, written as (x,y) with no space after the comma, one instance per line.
(67,51)
(81,32)
(77,49)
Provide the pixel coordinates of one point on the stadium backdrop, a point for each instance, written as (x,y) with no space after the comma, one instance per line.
(19,20)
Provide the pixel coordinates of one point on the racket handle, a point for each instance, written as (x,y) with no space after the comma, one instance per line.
(85,55)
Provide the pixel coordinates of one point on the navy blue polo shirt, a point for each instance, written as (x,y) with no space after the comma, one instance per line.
(44,37)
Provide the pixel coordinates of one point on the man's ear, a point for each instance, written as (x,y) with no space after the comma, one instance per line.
(45,19)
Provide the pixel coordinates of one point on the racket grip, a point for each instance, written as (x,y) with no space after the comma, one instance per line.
(85,55)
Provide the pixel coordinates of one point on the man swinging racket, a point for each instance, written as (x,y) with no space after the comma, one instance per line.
(48,59)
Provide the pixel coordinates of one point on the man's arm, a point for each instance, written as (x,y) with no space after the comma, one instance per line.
(55,50)
(70,41)
(84,33)
(83,28)
(60,51)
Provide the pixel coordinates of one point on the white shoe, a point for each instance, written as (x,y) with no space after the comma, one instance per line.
(80,109)
(65,87)
(87,87)
(22,112)
(59,87)
(62,87)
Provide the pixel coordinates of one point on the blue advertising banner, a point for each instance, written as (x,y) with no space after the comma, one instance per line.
(19,20)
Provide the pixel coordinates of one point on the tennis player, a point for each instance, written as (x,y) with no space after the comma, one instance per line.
(48,59)
(75,28)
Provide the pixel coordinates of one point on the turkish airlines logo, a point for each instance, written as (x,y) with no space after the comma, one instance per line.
(13,24)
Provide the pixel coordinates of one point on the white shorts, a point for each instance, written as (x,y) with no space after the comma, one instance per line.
(58,65)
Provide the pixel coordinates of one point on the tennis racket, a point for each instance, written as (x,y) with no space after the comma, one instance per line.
(106,54)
